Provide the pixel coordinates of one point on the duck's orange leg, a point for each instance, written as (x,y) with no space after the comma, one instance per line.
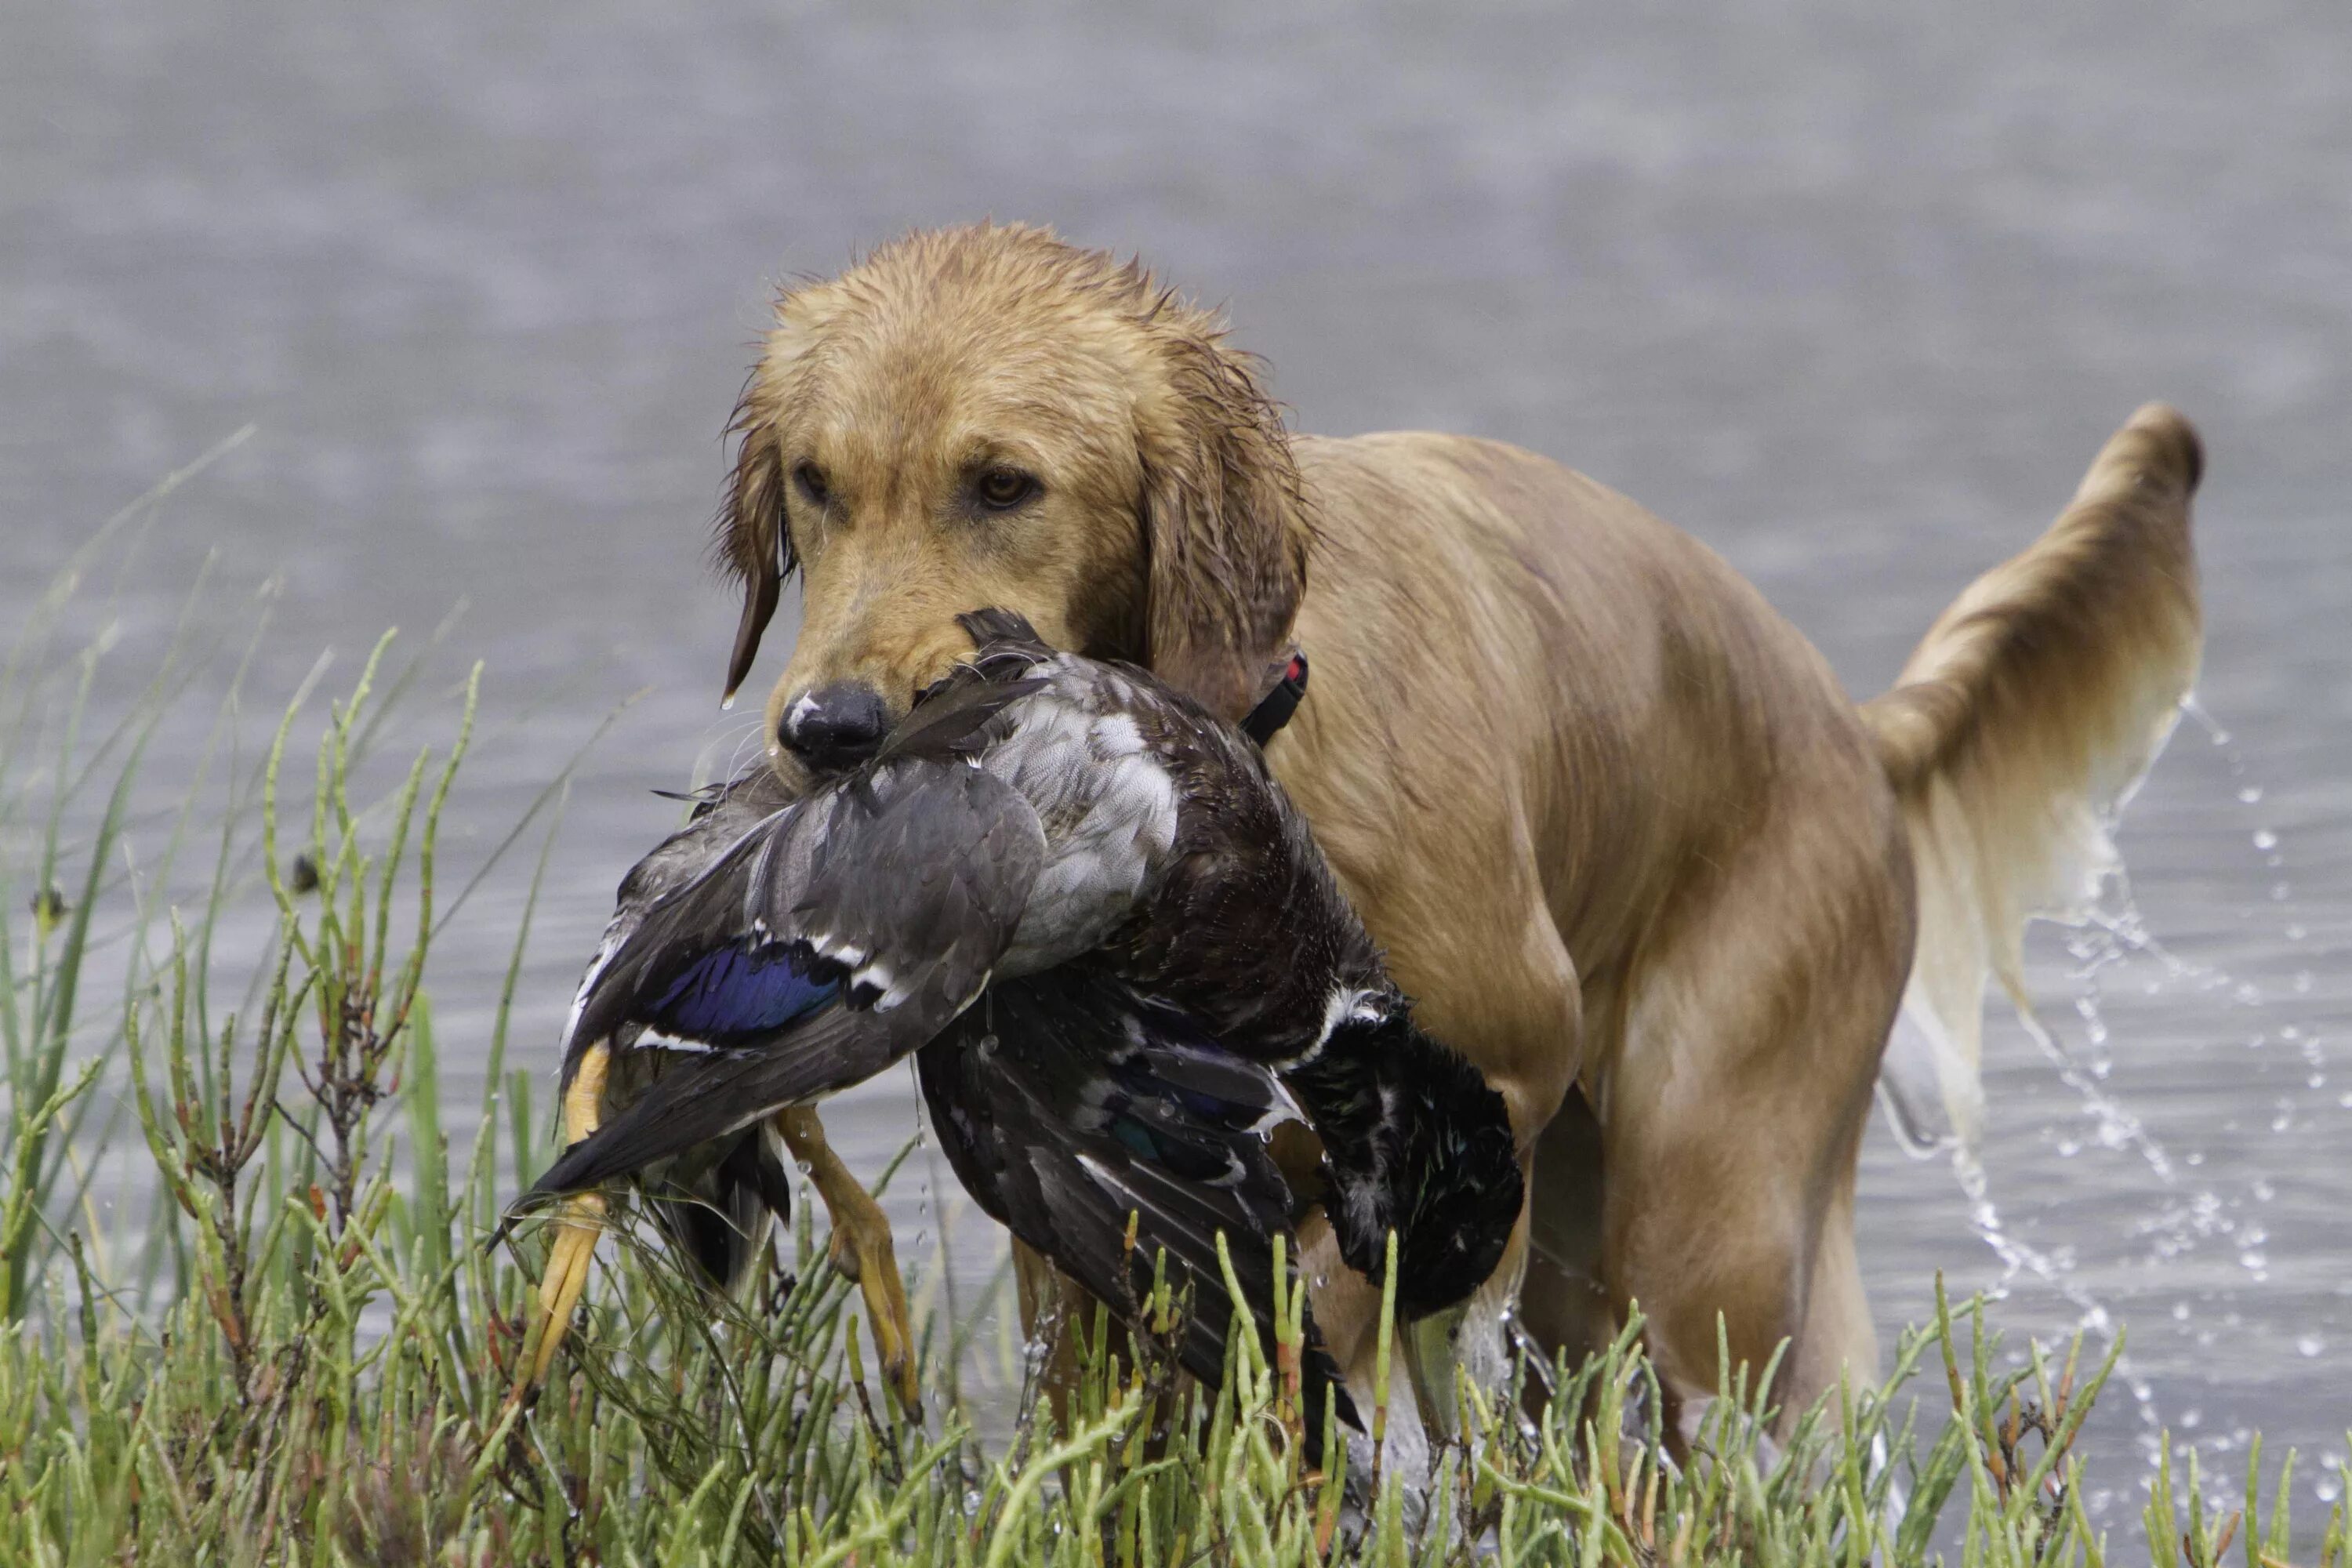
(579,1223)
(861,1248)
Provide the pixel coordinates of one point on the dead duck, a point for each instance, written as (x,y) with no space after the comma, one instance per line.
(1064,1102)
(1126,875)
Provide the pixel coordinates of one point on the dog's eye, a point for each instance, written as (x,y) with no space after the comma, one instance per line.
(1002,490)
(811,480)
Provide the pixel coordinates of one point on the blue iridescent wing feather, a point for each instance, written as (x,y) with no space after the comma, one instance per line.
(738,994)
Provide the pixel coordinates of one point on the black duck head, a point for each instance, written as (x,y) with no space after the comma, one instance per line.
(1414,1142)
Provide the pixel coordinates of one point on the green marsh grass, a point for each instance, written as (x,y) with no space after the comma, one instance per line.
(299,1351)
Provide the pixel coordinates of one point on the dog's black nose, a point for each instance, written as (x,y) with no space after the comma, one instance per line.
(835,726)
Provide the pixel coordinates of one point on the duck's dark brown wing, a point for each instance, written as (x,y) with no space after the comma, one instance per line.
(711,1096)
(898,893)
(1065,1104)
(897,890)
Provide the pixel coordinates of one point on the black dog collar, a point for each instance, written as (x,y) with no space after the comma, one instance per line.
(1274,708)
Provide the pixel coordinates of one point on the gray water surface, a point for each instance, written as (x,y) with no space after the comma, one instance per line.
(1852,295)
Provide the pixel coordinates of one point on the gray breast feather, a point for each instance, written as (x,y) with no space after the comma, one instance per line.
(1108,809)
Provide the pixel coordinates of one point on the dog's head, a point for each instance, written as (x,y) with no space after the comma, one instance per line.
(988,416)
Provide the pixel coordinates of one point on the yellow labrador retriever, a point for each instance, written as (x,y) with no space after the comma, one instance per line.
(1624,837)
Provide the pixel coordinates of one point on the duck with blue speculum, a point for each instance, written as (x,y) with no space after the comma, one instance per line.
(1111,943)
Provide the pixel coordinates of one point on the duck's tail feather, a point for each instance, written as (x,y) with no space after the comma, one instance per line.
(722,1218)
(951,721)
(995,630)
(2014,736)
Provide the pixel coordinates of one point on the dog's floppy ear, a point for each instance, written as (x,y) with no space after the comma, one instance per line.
(1225,523)
(752,545)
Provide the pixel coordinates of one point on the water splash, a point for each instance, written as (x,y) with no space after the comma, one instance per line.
(2115,928)
(2019,1257)
(2205,720)
(2117,958)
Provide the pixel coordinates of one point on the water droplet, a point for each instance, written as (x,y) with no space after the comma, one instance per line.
(2309,1346)
(2251,793)
(2180,1311)
(2265,839)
